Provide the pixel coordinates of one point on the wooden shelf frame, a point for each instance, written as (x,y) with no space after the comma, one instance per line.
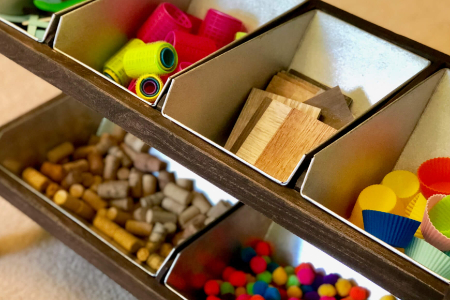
(282,204)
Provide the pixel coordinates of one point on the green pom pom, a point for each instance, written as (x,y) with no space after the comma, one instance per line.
(265,276)
(250,288)
(289,270)
(267,259)
(292,280)
(226,288)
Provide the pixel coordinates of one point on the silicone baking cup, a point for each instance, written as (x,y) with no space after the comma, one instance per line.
(415,210)
(434,176)
(429,231)
(404,184)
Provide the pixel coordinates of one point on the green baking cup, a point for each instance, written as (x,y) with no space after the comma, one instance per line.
(440,215)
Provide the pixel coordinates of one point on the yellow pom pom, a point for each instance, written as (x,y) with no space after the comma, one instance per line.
(343,287)
(239,291)
(326,290)
(279,276)
(388,297)
(294,292)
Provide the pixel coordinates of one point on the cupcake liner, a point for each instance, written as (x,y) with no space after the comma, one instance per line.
(405,185)
(429,256)
(394,230)
(430,233)
(419,234)
(434,176)
(415,211)
(440,215)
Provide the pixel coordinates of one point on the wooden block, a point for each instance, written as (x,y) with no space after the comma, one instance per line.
(298,134)
(285,88)
(335,111)
(254,102)
(315,89)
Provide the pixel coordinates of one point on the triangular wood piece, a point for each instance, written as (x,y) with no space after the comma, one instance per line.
(285,88)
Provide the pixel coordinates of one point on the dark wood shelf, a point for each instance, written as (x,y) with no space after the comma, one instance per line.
(283,205)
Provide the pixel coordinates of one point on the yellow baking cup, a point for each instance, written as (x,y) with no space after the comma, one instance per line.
(114,65)
(148,87)
(376,197)
(415,211)
(154,58)
(404,184)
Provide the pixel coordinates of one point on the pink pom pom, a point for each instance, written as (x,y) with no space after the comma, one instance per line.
(306,276)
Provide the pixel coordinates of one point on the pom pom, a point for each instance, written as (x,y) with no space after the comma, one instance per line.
(262,249)
(388,297)
(358,293)
(250,278)
(250,288)
(292,281)
(267,259)
(258,264)
(271,267)
(306,276)
(244,297)
(228,297)
(331,279)
(283,294)
(226,288)
(259,288)
(212,297)
(343,287)
(289,270)
(211,288)
(303,266)
(307,289)
(327,298)
(327,289)
(318,281)
(272,293)
(238,278)
(279,276)
(265,276)
(227,272)
(257,297)
(247,254)
(240,291)
(294,292)
(311,296)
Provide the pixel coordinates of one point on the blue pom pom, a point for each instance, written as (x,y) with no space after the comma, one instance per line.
(260,287)
(307,289)
(247,254)
(272,294)
(272,267)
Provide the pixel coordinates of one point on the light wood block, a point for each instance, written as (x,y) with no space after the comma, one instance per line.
(315,89)
(285,88)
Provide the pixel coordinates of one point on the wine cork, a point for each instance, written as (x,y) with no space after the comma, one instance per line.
(164,177)
(147,163)
(143,254)
(139,214)
(76,190)
(123,174)
(80,165)
(105,225)
(135,183)
(198,221)
(218,209)
(102,212)
(64,160)
(71,179)
(152,200)
(118,133)
(35,179)
(125,204)
(171,227)
(185,183)
(106,141)
(128,241)
(128,151)
(152,247)
(94,200)
(135,143)
(201,203)
(51,189)
(188,214)
(124,158)
(118,216)
(87,179)
(85,211)
(158,234)
(97,181)
(112,164)
(63,198)
(53,171)
(93,140)
(173,206)
(149,184)
(209,220)
(165,249)
(155,261)
(83,152)
(96,165)
(138,228)
(178,194)
(113,189)
(60,152)
(153,216)
(157,208)
(178,238)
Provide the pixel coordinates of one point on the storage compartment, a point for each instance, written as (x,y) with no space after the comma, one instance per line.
(403,135)
(208,256)
(207,100)
(23,16)
(65,120)
(104,26)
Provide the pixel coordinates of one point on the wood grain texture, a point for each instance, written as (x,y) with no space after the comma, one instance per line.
(315,89)
(335,111)
(285,88)
(283,205)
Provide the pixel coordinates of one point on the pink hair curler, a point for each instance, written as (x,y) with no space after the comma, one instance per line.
(181,66)
(220,27)
(166,18)
(132,86)
(196,23)
(190,47)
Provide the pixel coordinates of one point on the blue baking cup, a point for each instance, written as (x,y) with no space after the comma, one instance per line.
(394,230)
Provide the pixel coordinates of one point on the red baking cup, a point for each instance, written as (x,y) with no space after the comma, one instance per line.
(132,86)
(166,18)
(190,47)
(220,27)
(196,23)
(434,176)
(181,66)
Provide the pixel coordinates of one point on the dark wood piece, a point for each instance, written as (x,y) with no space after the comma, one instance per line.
(282,204)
